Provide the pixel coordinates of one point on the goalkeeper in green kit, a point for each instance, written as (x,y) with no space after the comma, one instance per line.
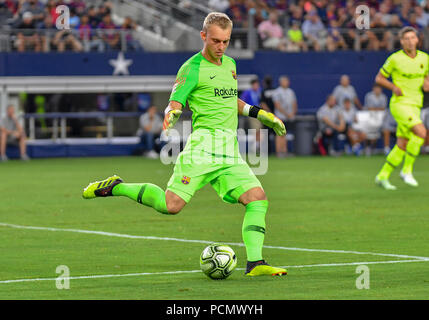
(409,70)
(208,83)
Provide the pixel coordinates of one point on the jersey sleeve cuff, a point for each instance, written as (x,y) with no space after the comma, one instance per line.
(384,72)
(183,103)
(246,109)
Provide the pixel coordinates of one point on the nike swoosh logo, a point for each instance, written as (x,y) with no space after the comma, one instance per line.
(212,77)
(227,97)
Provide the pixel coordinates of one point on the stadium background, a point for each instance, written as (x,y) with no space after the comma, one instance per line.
(167,34)
(326,215)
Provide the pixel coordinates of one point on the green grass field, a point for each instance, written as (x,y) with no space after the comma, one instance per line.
(325,218)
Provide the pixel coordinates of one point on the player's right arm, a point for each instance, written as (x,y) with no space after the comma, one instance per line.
(186,81)
(382,77)
(385,83)
(171,115)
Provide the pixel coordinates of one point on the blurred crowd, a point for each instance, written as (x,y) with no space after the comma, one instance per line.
(91,27)
(345,125)
(286,25)
(299,25)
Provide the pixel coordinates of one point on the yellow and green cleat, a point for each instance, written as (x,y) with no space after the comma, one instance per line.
(261,268)
(101,188)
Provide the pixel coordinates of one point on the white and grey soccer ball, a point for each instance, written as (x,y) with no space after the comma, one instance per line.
(218,261)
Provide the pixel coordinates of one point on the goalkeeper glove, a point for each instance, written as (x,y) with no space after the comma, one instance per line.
(170,118)
(267,118)
(271,121)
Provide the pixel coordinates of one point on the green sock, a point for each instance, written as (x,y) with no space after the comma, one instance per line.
(253,230)
(145,193)
(394,159)
(413,150)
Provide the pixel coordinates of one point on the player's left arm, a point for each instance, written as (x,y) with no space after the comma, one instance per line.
(267,118)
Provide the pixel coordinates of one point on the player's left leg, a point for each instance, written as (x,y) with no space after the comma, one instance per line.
(417,138)
(238,183)
(253,229)
(393,159)
(253,232)
(406,117)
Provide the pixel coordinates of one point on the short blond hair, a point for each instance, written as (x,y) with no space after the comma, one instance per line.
(217,18)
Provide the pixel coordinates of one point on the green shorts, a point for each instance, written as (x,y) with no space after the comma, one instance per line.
(407,117)
(229,177)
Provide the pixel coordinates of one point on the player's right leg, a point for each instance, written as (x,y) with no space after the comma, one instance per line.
(175,204)
(184,182)
(411,133)
(393,159)
(147,194)
(402,115)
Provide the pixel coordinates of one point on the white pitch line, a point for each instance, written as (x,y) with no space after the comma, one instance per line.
(197,271)
(353,263)
(128,236)
(99,276)
(352,252)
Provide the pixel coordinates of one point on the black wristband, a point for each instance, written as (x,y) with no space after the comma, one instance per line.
(253,112)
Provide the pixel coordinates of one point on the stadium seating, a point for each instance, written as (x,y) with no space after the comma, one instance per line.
(156,36)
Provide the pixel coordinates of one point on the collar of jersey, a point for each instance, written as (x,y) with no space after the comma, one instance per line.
(218,65)
(417,52)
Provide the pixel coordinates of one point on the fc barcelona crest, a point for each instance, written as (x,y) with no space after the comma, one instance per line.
(234,74)
(186,180)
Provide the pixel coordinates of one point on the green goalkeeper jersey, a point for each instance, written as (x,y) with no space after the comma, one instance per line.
(408,74)
(211,93)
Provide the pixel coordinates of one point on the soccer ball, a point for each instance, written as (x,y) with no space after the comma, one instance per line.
(218,261)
